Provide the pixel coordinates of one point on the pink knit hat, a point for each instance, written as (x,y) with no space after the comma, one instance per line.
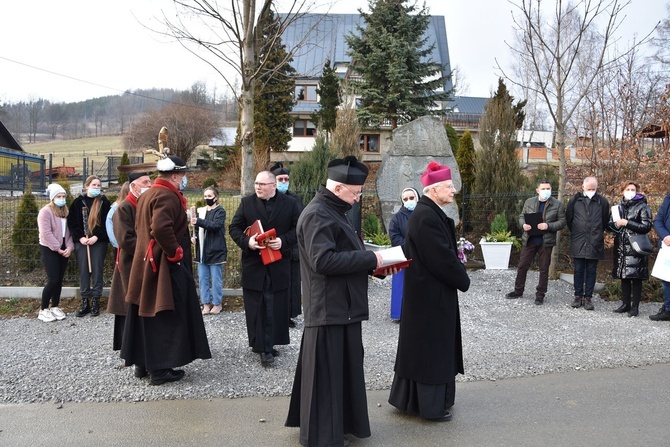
(435,173)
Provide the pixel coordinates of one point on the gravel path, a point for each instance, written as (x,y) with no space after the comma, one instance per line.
(72,360)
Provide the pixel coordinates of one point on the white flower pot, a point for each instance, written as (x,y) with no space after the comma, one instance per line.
(374,247)
(496,254)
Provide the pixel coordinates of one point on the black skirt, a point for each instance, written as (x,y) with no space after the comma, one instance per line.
(328,398)
(171,338)
(426,400)
(117,340)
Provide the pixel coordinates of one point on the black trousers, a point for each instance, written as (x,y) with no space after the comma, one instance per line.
(55,266)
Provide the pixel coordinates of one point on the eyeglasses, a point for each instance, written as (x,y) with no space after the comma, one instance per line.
(282,179)
(263,184)
(357,194)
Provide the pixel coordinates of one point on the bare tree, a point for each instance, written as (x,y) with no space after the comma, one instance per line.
(563,52)
(229,36)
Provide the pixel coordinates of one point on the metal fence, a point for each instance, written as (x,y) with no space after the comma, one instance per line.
(476,209)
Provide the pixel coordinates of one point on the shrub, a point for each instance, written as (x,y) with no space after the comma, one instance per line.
(371,226)
(25,235)
(209,181)
(500,233)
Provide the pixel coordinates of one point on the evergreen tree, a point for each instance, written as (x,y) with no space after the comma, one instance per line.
(465,157)
(274,94)
(498,170)
(329,99)
(399,80)
(311,170)
(123,176)
(452,136)
(25,235)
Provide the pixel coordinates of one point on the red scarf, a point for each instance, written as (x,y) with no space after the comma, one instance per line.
(160,183)
(132,199)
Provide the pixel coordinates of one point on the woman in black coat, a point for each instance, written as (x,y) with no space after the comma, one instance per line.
(397,231)
(629,266)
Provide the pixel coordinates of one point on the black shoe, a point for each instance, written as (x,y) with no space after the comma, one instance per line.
(539,301)
(662,315)
(291,323)
(140,371)
(623,308)
(275,353)
(513,294)
(634,311)
(267,358)
(179,372)
(162,376)
(95,306)
(84,309)
(447,417)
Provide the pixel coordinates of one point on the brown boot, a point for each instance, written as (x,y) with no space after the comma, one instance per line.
(588,305)
(577,302)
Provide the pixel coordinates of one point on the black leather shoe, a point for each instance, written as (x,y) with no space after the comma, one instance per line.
(447,417)
(275,353)
(513,294)
(623,308)
(267,358)
(162,376)
(140,371)
(662,315)
(539,301)
(291,323)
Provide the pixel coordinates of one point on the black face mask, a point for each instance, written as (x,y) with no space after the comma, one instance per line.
(210,202)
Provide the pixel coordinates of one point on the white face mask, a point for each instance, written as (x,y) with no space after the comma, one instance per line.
(628,195)
(545,194)
(410,205)
(143,190)
(589,194)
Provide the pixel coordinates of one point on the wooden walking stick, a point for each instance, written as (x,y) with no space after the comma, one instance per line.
(84,215)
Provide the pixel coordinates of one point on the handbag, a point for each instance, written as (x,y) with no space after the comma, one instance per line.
(661,268)
(641,244)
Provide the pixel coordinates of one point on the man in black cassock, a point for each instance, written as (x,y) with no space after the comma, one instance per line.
(430,351)
(265,287)
(295,291)
(328,397)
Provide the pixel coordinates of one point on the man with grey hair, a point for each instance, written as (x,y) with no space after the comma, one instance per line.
(328,397)
(587,215)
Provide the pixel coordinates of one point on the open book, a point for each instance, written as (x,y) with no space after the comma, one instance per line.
(392,258)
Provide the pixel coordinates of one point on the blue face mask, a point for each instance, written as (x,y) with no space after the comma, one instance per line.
(184,182)
(410,205)
(545,194)
(59,202)
(282,187)
(94,192)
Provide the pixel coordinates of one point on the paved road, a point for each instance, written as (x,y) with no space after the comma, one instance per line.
(608,407)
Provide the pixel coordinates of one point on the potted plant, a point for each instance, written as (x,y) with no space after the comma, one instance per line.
(497,245)
(374,237)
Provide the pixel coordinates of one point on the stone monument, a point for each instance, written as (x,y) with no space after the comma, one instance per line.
(414,145)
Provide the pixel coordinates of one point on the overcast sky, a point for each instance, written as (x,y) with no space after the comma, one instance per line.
(73,50)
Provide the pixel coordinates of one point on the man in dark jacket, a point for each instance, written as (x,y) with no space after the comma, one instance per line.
(265,287)
(587,216)
(539,239)
(328,397)
(430,350)
(295,295)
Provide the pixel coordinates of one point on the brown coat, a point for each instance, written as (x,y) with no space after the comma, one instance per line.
(160,216)
(124,232)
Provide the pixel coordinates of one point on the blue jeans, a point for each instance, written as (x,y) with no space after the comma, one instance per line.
(585,276)
(210,273)
(666,295)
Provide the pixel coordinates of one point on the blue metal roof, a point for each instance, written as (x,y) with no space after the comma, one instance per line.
(324,36)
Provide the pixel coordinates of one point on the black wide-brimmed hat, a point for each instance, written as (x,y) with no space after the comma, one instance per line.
(279,169)
(347,170)
(135,175)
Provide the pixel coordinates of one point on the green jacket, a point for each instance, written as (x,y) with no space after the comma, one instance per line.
(554,216)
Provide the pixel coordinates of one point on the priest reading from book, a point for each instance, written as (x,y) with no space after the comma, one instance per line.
(265,263)
(328,398)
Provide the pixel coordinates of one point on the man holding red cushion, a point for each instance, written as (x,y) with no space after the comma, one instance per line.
(430,352)
(164,327)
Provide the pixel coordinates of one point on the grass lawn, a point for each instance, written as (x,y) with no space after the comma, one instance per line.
(72,152)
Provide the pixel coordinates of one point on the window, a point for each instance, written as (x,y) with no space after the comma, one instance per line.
(304,128)
(370,143)
(305,93)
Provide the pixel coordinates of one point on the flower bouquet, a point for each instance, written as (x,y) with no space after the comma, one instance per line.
(464,248)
